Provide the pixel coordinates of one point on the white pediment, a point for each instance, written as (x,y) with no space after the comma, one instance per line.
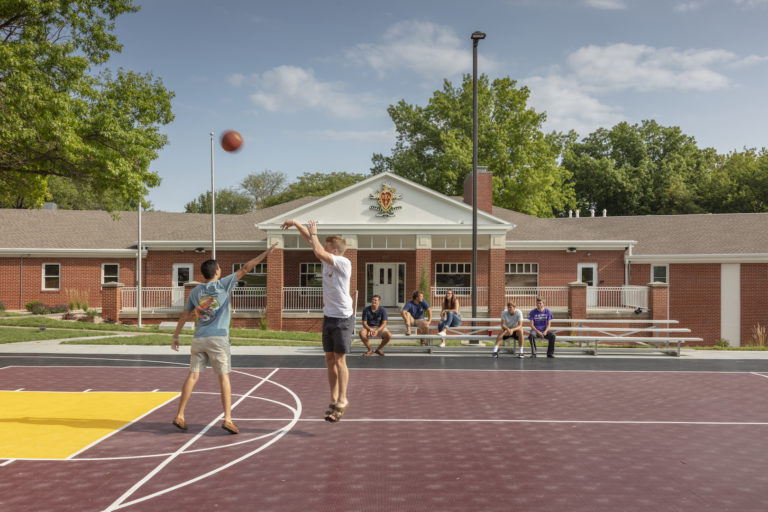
(414,208)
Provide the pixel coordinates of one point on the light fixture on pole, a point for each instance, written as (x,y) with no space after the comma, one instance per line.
(476,37)
(213,208)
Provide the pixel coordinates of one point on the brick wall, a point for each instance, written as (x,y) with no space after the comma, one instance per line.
(754,297)
(694,298)
(558,268)
(484,191)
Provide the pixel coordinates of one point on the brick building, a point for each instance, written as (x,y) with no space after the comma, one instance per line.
(713,269)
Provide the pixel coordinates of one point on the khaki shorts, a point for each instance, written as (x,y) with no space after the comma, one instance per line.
(213,350)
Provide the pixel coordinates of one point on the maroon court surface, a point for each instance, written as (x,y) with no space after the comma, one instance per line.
(413,439)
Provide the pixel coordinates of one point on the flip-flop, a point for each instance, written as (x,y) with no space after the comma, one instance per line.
(180,424)
(369,353)
(378,351)
(230,427)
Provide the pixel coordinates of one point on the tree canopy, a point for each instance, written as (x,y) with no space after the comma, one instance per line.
(60,117)
(315,184)
(434,146)
(263,185)
(228,200)
(640,169)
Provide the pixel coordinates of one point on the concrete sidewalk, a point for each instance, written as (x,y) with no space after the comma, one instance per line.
(57,347)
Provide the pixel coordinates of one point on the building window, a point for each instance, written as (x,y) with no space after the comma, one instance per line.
(256,277)
(51,276)
(453,275)
(110,273)
(522,275)
(659,274)
(311,274)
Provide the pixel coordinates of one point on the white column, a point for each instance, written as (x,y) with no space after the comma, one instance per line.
(730,303)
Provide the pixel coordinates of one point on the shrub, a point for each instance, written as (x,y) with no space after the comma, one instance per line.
(759,335)
(263,325)
(30,305)
(84,318)
(721,343)
(92,314)
(40,309)
(2,306)
(69,316)
(59,308)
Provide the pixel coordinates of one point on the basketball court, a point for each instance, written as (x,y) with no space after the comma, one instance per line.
(93,432)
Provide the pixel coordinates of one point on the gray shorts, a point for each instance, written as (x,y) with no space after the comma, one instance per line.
(337,334)
(213,350)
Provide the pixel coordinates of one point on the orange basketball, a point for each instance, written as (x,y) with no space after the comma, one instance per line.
(231,140)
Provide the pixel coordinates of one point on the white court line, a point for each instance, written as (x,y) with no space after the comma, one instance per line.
(119,503)
(587,422)
(87,390)
(7,462)
(20,389)
(121,428)
(759,374)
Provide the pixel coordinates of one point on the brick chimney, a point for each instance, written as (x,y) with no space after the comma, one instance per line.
(484,189)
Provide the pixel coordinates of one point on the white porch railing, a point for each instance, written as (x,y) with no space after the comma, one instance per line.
(621,297)
(462,293)
(302,298)
(249,298)
(152,297)
(246,298)
(525,296)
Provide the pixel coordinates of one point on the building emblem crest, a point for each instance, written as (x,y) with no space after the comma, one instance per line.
(385,201)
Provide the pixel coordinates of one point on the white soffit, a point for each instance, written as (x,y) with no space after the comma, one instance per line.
(415,207)
(579,245)
(699,258)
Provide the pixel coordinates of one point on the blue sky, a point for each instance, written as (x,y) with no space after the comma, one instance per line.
(307,83)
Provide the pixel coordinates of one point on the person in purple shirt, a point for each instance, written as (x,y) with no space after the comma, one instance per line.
(541,320)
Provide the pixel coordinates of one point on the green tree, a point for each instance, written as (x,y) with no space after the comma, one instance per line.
(739,183)
(58,117)
(639,169)
(434,146)
(263,185)
(315,184)
(71,195)
(228,200)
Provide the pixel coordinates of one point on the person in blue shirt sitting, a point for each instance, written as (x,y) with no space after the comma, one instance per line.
(413,314)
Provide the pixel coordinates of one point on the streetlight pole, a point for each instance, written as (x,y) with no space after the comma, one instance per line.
(213,207)
(476,37)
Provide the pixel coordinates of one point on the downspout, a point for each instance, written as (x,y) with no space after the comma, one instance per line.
(21,281)
(627,264)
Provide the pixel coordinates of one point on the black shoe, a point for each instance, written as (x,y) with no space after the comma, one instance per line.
(495,355)
(550,355)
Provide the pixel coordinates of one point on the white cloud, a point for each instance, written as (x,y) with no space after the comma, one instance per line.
(606,4)
(291,89)
(425,48)
(640,67)
(568,106)
(751,3)
(688,6)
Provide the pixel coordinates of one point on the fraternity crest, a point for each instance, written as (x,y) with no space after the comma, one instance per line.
(385,199)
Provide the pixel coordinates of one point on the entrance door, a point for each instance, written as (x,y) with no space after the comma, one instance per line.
(588,275)
(182,273)
(385,283)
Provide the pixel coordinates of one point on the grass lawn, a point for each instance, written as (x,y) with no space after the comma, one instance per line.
(13,335)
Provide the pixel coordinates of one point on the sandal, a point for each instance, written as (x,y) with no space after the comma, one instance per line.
(379,351)
(329,411)
(337,413)
(369,353)
(230,427)
(407,332)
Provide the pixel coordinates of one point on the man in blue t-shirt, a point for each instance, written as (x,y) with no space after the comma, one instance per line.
(541,321)
(375,324)
(209,301)
(413,314)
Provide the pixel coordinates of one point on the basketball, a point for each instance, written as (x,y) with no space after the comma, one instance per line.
(231,140)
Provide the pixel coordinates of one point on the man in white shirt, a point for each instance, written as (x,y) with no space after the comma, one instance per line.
(338,313)
(511,326)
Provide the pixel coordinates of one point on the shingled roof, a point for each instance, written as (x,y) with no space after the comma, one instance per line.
(736,233)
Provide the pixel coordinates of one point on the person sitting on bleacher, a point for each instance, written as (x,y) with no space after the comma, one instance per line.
(374,325)
(413,315)
(511,326)
(541,320)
